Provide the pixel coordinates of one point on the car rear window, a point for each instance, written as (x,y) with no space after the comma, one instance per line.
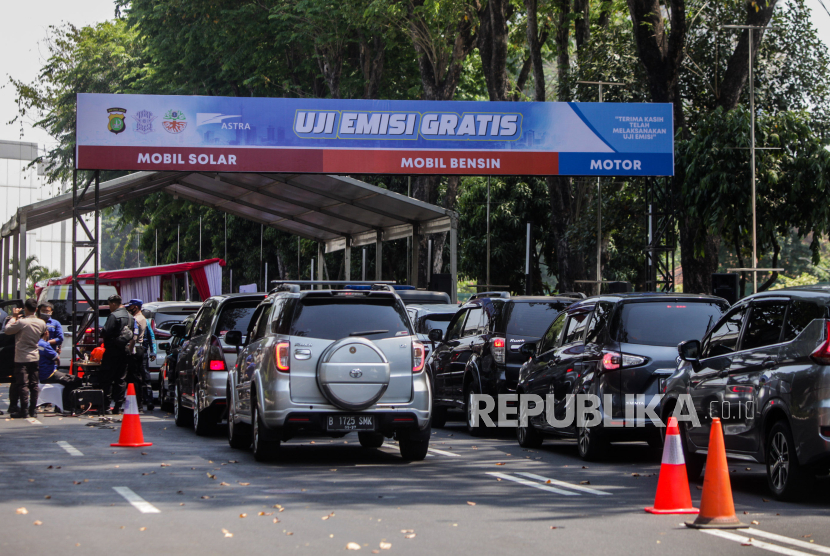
(531,319)
(661,323)
(165,320)
(236,315)
(437,320)
(340,317)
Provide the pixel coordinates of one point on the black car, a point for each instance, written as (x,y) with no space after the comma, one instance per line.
(479,353)
(167,373)
(611,345)
(764,370)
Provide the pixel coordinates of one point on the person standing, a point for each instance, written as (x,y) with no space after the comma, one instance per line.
(149,355)
(44,311)
(137,374)
(118,336)
(27,331)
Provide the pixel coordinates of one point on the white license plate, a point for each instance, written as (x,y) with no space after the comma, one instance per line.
(350,423)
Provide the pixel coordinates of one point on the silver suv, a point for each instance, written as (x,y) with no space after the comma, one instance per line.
(329,362)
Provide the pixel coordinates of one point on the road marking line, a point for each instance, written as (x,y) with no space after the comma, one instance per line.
(525,482)
(73,451)
(567,485)
(137,501)
(34,421)
(442,452)
(782,538)
(755,543)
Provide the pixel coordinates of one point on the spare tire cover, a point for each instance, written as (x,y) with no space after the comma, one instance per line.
(353,373)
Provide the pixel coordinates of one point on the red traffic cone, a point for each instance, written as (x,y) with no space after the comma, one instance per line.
(673,496)
(717,511)
(131,435)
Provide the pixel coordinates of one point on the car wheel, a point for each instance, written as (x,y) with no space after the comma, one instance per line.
(439,416)
(528,436)
(591,442)
(414,445)
(204,420)
(165,400)
(469,403)
(182,415)
(264,450)
(370,439)
(786,478)
(694,462)
(239,434)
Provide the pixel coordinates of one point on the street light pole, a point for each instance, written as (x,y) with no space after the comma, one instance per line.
(754,268)
(488,232)
(599,192)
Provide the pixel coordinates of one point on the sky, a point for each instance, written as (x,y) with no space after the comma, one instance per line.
(26,28)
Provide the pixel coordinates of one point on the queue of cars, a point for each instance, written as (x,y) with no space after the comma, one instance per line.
(332,362)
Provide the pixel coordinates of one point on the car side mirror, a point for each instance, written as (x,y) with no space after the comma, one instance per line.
(178,330)
(690,351)
(164,346)
(528,350)
(436,335)
(233,338)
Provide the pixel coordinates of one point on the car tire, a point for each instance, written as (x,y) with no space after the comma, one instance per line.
(370,439)
(239,434)
(205,420)
(414,445)
(263,449)
(528,436)
(591,442)
(694,462)
(439,416)
(182,415)
(787,479)
(472,389)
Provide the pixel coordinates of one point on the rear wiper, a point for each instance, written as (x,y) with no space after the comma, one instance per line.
(368,332)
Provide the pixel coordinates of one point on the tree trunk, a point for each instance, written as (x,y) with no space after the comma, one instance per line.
(697,267)
(371,64)
(563,59)
(582,25)
(492,46)
(535,48)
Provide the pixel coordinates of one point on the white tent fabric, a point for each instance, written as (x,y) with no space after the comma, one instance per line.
(213,273)
(146,289)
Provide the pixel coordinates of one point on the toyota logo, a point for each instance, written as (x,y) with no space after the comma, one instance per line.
(355,373)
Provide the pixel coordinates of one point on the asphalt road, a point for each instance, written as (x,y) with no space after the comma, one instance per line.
(193,495)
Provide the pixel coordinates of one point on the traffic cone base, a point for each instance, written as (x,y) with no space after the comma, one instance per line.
(717,510)
(673,496)
(131,435)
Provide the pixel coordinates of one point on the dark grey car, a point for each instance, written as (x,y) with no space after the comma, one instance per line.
(764,370)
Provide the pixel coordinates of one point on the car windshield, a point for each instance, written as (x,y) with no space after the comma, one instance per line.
(340,317)
(236,315)
(531,319)
(660,323)
(165,320)
(433,321)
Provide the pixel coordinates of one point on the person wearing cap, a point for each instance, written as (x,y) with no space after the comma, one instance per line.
(27,330)
(137,374)
(117,335)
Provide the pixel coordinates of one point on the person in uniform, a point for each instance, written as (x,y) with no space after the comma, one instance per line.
(118,336)
(27,330)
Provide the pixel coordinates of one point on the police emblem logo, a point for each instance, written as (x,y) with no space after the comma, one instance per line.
(144,121)
(116,120)
(174,121)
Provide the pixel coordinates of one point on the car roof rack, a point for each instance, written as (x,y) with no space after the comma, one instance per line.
(577,295)
(504,295)
(382,286)
(286,287)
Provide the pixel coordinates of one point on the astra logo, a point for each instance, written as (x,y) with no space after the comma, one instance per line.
(206,118)
(408,125)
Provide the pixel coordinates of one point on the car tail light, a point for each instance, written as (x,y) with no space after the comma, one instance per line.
(612,360)
(159,334)
(498,350)
(418,357)
(741,389)
(89,331)
(822,353)
(281,352)
(825,431)
(217,365)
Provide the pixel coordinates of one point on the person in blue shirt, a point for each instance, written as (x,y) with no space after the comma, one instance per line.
(48,372)
(44,311)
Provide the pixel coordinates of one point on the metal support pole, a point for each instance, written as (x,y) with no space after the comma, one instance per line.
(6,247)
(429,262)
(15,265)
(488,232)
(231,280)
(347,259)
(266,278)
(200,238)
(599,235)
(379,256)
(752,157)
(320,263)
(97,262)
(23,256)
(157,247)
(528,281)
(3,270)
(416,255)
(454,257)
(178,240)
(261,235)
(363,267)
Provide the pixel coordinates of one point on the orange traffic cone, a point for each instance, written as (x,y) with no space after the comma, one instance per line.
(717,511)
(673,496)
(131,435)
